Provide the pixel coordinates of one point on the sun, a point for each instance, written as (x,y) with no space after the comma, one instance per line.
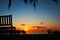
(25,29)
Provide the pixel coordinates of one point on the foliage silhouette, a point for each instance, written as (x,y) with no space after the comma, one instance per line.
(49,31)
(25,1)
(56,1)
(33,2)
(9,5)
(56,32)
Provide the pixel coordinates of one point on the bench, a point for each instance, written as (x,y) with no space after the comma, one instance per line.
(6,21)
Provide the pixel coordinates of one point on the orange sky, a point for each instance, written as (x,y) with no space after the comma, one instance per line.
(30,29)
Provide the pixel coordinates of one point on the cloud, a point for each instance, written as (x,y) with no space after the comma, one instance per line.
(38,27)
(23,24)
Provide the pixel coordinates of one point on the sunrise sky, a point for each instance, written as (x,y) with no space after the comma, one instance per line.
(46,11)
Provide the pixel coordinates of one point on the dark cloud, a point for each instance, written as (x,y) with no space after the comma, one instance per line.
(38,27)
(23,24)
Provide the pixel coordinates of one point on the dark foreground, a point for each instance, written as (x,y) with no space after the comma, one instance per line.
(30,37)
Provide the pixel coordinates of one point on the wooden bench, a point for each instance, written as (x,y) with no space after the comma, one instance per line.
(6,21)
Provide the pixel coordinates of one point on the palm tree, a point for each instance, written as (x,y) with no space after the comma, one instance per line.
(56,1)
(9,4)
(33,2)
(25,1)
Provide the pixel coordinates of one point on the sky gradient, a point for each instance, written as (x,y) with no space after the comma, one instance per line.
(46,11)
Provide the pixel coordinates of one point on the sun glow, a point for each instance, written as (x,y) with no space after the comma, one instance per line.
(26,29)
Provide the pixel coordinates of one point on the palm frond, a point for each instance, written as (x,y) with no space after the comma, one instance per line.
(34,4)
(9,5)
(31,1)
(25,1)
(56,1)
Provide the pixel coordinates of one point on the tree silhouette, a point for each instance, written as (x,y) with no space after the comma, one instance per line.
(33,2)
(49,31)
(56,1)
(25,1)
(9,5)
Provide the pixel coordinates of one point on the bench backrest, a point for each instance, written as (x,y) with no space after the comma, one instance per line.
(6,20)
